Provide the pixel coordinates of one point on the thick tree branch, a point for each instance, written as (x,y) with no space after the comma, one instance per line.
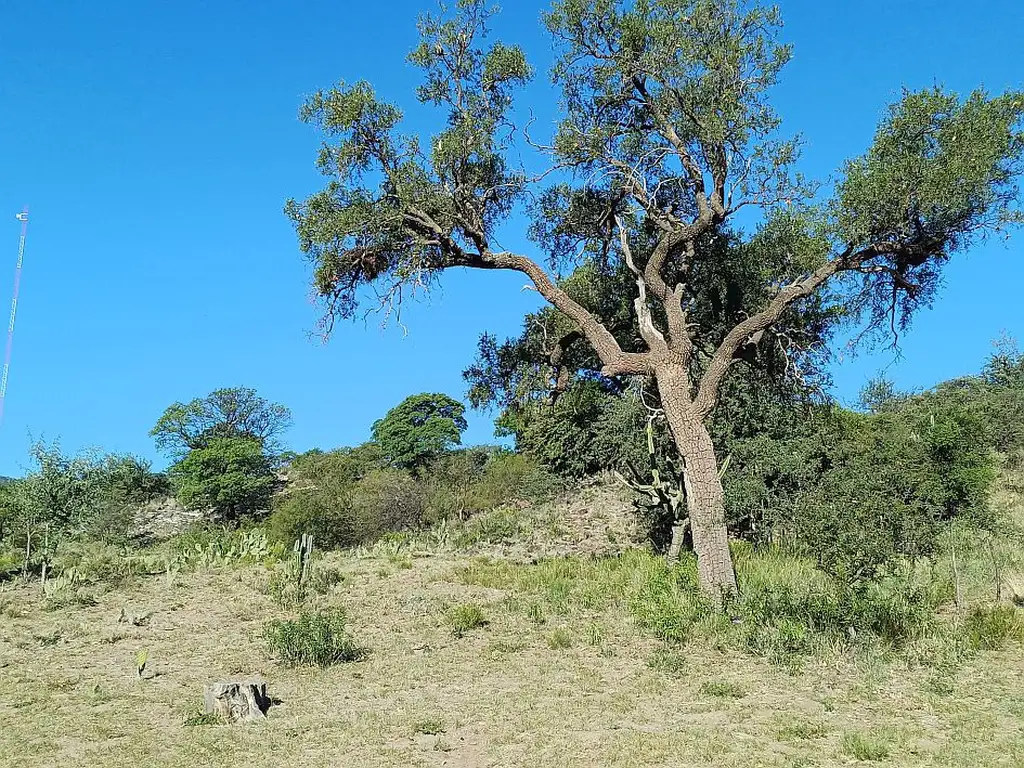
(616,362)
(707,393)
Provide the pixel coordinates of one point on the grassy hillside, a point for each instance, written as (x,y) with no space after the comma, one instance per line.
(563,668)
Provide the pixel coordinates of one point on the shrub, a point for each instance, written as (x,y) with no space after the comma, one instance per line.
(94,561)
(465,617)
(894,480)
(386,500)
(341,510)
(312,640)
(508,477)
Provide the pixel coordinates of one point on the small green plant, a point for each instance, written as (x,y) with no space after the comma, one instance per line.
(465,617)
(801,731)
(559,639)
(595,633)
(668,661)
(430,727)
(141,659)
(722,689)
(312,640)
(201,719)
(535,613)
(866,746)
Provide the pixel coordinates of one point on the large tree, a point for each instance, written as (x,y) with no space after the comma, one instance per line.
(419,429)
(666,134)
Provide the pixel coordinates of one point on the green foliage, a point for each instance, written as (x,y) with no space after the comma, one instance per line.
(888,488)
(940,173)
(419,429)
(668,661)
(236,412)
(192,721)
(560,639)
(465,617)
(467,483)
(350,229)
(345,498)
(312,640)
(231,475)
(66,496)
(205,546)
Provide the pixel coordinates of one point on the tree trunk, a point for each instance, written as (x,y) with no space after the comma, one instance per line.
(705,499)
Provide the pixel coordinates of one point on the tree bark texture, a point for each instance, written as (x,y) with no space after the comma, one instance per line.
(705,499)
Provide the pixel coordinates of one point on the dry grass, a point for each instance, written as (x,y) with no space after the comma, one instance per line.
(505,694)
(560,675)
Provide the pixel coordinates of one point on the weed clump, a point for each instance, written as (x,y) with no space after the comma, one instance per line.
(722,689)
(560,639)
(312,640)
(465,617)
(866,746)
(990,628)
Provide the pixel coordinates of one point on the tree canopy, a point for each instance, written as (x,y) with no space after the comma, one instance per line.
(419,429)
(229,412)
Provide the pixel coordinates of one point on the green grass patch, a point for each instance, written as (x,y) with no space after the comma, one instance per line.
(870,747)
(464,618)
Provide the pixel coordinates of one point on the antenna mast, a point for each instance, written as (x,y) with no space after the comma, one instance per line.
(23,218)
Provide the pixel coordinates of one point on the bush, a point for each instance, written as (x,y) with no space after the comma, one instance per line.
(312,640)
(344,498)
(508,477)
(894,481)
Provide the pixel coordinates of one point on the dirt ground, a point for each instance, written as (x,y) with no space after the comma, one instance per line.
(506,694)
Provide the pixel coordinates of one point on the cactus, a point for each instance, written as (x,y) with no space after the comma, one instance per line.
(303,554)
(660,495)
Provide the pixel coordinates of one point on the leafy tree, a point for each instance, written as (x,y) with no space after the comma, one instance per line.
(88,494)
(231,412)
(419,429)
(232,475)
(667,133)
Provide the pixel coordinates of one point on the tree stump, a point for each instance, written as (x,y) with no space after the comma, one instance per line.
(237,701)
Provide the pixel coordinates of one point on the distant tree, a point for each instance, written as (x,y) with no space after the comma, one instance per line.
(879,395)
(231,475)
(419,429)
(230,412)
(667,135)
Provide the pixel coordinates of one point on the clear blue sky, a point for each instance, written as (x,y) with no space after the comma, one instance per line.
(157,142)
